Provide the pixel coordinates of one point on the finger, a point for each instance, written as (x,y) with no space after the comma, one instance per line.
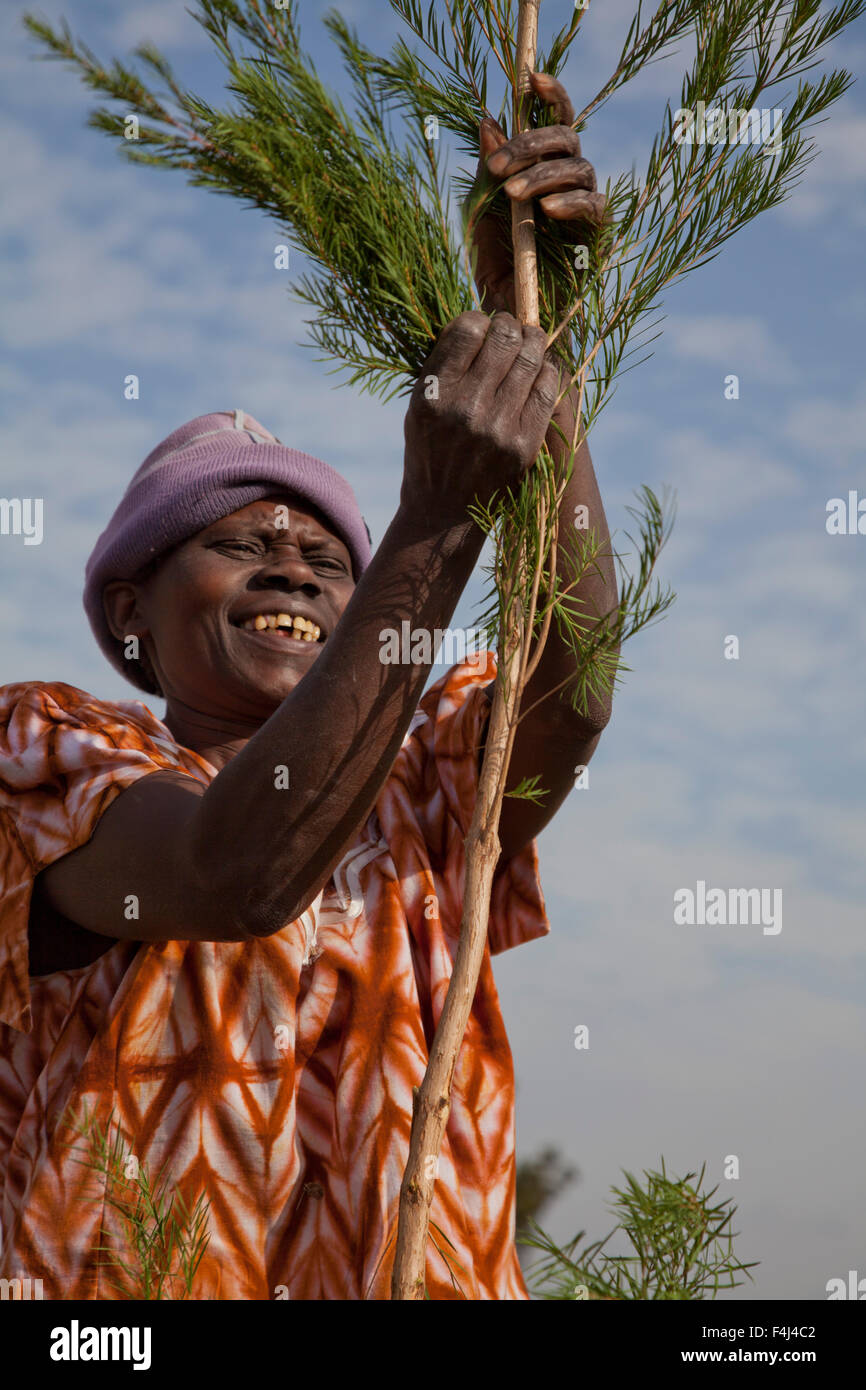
(577,205)
(553,92)
(501,346)
(540,404)
(531,146)
(514,388)
(552,176)
(457,346)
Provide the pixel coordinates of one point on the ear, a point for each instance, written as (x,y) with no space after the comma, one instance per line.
(120,603)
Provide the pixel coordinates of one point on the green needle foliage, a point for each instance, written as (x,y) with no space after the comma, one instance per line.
(364,200)
(163,1239)
(681,1247)
(387,240)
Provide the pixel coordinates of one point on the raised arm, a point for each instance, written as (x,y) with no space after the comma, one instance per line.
(243,857)
(552,740)
(547,164)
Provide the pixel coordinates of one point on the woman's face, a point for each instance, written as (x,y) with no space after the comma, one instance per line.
(195,617)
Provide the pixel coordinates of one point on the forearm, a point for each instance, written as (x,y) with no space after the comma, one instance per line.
(595,593)
(267,849)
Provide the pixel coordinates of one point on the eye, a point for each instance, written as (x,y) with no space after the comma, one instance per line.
(233,546)
(327,562)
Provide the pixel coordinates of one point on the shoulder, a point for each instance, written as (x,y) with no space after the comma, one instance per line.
(64,728)
(34,705)
(55,700)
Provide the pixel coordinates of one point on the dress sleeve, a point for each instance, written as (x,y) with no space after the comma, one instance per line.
(457,711)
(64,757)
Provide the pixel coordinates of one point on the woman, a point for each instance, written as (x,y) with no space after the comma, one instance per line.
(226,936)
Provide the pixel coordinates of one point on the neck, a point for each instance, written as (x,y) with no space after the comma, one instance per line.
(215,737)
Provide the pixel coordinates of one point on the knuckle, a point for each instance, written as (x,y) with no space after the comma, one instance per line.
(547,388)
(510,336)
(473,321)
(534,341)
(461,412)
(588,172)
(530,359)
(501,439)
(470,326)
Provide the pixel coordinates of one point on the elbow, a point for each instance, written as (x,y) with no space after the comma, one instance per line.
(590,719)
(226,905)
(255,911)
(229,896)
(600,712)
(598,720)
(244,912)
(589,728)
(243,896)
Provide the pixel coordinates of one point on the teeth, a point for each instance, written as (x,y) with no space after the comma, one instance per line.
(297,628)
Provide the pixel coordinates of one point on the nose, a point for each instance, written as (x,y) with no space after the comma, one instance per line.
(288,573)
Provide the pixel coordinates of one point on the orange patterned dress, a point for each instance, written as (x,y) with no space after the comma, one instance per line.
(272,1078)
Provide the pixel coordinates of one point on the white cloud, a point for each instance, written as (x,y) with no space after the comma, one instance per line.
(737,343)
(161,22)
(833,184)
(831,431)
(721,479)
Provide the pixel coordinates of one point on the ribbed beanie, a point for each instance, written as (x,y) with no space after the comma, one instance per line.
(205,470)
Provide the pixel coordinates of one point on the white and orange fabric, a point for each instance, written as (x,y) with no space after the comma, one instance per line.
(274,1077)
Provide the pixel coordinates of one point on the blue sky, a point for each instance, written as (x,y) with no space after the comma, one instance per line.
(704,1041)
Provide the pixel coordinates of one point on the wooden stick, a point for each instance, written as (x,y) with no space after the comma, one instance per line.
(432,1102)
(522,214)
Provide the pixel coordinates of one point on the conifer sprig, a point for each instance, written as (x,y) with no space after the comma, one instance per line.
(361,194)
(162,1240)
(681,1247)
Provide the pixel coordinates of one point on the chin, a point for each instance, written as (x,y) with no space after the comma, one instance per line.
(274,690)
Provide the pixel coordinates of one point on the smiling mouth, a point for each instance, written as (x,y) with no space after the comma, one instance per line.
(284,627)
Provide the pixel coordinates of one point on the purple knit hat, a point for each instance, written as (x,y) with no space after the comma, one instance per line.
(207,469)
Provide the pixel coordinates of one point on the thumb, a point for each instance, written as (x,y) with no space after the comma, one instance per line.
(491,137)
